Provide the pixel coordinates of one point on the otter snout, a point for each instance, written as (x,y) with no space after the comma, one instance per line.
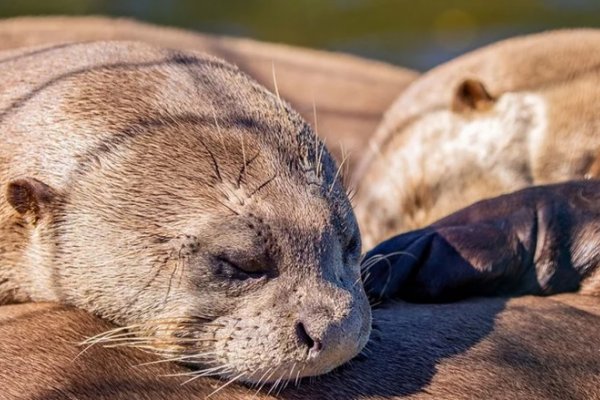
(332,327)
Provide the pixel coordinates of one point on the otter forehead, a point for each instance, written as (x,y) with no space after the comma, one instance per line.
(235,195)
(189,171)
(102,93)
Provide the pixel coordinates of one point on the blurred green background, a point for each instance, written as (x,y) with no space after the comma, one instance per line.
(412,33)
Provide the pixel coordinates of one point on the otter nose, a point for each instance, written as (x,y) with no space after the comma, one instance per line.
(313,343)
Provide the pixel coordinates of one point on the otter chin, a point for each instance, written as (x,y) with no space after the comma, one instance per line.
(169,193)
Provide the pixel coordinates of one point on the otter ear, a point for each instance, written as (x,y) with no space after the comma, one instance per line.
(471,95)
(29,196)
(593,171)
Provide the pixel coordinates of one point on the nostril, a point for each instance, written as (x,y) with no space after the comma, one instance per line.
(303,335)
(314,345)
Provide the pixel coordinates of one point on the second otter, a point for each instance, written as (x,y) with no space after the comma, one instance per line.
(517,113)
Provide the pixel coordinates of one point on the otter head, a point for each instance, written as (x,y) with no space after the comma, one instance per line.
(440,161)
(210,222)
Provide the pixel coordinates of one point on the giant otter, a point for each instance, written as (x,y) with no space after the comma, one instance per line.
(168,192)
(517,113)
(529,333)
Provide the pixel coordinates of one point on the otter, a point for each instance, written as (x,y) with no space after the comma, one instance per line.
(169,193)
(517,113)
(321,86)
(494,348)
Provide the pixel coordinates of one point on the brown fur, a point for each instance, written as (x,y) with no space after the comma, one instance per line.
(475,349)
(524,348)
(516,113)
(160,190)
(348,93)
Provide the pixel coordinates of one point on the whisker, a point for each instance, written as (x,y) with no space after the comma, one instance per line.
(276,87)
(274,386)
(227,384)
(214,373)
(202,372)
(214,161)
(337,173)
(297,380)
(246,165)
(263,185)
(321,150)
(234,212)
(260,379)
(180,358)
(379,257)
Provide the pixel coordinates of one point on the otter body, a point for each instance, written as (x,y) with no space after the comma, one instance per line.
(156,189)
(523,348)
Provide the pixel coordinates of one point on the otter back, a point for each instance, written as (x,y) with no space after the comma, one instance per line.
(480,348)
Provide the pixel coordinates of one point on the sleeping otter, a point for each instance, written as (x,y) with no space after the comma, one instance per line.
(168,192)
(517,113)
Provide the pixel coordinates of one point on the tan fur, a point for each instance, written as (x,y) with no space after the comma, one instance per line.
(182,199)
(524,348)
(444,144)
(476,349)
(348,93)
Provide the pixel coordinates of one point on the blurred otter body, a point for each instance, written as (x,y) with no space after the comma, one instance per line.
(157,189)
(517,113)
(312,81)
(523,348)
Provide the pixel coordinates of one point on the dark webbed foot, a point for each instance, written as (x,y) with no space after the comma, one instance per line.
(540,240)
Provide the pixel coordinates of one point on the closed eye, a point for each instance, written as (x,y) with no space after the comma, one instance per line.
(352,249)
(241,270)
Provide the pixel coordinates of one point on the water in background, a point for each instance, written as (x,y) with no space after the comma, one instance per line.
(412,33)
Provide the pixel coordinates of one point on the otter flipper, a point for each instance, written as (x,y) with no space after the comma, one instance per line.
(541,240)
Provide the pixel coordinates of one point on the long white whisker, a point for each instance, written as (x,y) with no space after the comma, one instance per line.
(263,384)
(181,358)
(227,384)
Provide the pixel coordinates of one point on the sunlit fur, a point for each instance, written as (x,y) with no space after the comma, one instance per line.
(309,79)
(494,348)
(429,159)
(163,163)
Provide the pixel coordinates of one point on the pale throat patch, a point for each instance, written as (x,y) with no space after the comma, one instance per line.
(493,147)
